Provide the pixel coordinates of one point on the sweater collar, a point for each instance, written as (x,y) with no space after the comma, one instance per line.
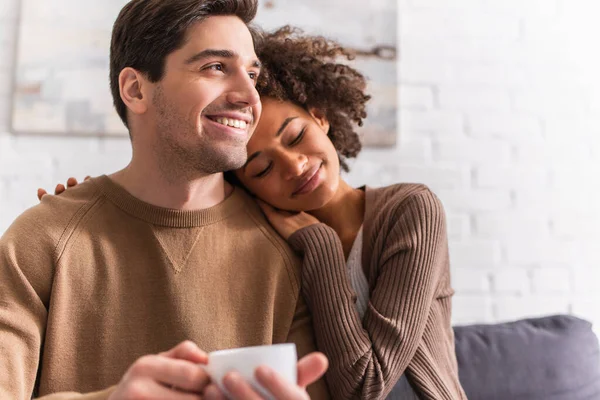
(165,216)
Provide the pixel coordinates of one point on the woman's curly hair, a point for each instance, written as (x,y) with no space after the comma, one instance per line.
(305,70)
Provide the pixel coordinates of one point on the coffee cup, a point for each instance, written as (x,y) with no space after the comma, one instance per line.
(280,357)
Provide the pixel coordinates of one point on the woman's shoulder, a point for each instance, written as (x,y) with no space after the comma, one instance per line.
(397,196)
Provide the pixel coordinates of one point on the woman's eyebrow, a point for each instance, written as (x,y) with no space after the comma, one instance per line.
(252,157)
(285,123)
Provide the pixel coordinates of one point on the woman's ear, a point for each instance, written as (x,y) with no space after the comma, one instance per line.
(320,118)
(133,90)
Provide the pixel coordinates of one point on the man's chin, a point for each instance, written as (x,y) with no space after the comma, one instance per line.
(224,161)
(233,165)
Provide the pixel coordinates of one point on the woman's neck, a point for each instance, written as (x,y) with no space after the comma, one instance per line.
(344,213)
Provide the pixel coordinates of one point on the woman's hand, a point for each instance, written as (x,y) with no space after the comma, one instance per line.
(286,223)
(71,182)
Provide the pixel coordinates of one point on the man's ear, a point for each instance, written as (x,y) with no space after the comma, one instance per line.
(134,90)
(320,118)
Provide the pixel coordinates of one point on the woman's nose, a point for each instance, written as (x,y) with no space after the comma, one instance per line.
(294,165)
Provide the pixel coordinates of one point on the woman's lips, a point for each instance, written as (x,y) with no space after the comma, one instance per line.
(310,182)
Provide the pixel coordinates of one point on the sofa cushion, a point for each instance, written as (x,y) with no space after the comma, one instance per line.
(549,358)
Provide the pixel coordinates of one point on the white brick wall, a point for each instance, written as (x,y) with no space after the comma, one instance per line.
(498,102)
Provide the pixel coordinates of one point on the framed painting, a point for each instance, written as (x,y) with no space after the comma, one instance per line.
(61,75)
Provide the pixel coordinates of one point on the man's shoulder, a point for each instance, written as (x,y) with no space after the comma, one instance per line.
(47,222)
(271,242)
(31,247)
(258,220)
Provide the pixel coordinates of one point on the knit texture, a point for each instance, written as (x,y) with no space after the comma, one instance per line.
(407,324)
(95,278)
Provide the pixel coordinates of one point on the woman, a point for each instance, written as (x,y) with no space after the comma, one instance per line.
(376,273)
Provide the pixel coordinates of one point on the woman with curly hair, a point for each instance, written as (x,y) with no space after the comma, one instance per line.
(375,272)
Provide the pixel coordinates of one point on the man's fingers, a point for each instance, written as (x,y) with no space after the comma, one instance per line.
(281,388)
(182,374)
(189,351)
(86,178)
(311,367)
(238,388)
(41,193)
(212,392)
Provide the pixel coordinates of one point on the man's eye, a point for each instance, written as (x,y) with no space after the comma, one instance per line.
(253,75)
(216,67)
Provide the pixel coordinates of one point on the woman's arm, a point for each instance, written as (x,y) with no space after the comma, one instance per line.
(367,357)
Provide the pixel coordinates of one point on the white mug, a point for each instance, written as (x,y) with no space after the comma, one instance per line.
(280,357)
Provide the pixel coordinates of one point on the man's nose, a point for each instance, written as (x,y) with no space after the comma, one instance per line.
(243,91)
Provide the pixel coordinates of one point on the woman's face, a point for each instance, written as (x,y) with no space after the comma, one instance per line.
(291,164)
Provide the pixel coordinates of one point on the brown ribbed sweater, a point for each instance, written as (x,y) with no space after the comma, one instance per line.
(407,324)
(94,278)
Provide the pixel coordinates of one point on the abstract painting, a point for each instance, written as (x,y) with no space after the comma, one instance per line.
(61,74)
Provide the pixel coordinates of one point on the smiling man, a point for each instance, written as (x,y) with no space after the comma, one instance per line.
(97,284)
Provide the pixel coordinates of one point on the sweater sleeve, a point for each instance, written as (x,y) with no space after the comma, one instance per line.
(367,357)
(100,395)
(23,313)
(302,334)
(26,273)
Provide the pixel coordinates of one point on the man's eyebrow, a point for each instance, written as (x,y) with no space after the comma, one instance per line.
(283,126)
(210,53)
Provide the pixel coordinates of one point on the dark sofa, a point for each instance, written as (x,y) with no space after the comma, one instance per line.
(549,358)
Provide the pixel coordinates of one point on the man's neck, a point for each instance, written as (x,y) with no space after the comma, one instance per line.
(145,181)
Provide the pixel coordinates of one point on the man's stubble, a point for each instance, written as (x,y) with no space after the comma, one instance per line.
(183,148)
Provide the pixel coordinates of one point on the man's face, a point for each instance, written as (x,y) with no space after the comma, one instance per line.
(206,106)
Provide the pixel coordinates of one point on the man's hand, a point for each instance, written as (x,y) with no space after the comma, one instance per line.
(71,182)
(174,374)
(310,369)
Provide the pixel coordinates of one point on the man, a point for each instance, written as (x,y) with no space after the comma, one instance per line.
(97,283)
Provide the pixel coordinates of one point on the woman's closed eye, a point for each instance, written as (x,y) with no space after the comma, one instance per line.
(264,171)
(298,138)
(294,142)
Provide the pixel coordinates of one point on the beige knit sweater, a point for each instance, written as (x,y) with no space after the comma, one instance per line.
(407,323)
(94,278)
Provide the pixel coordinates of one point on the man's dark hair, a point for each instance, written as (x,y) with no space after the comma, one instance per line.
(147,31)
